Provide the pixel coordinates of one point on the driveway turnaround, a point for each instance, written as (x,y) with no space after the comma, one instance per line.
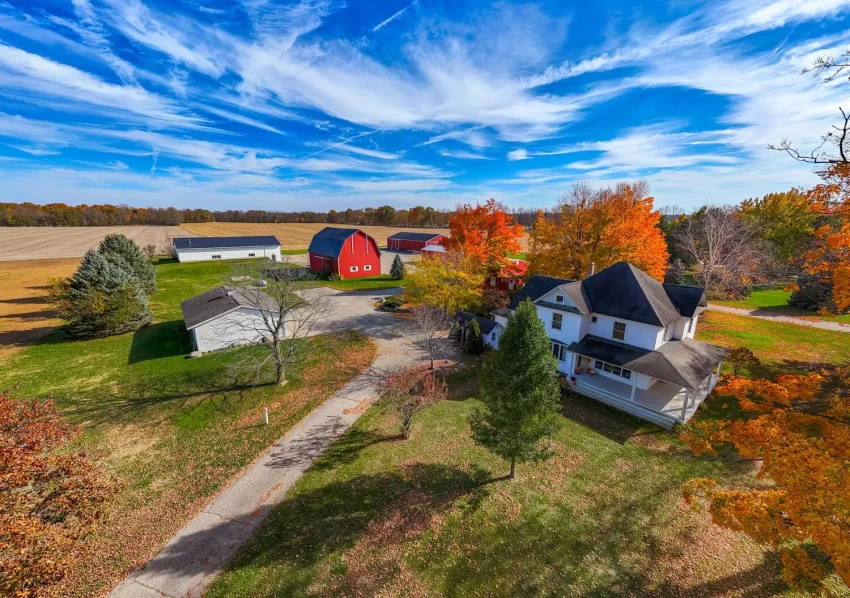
(764,314)
(191,559)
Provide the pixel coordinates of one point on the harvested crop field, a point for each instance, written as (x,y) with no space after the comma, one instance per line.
(42,242)
(24,316)
(293,236)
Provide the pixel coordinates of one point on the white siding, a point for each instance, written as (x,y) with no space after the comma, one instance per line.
(570,325)
(489,339)
(637,333)
(231,253)
(243,326)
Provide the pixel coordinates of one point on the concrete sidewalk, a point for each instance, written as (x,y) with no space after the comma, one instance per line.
(778,317)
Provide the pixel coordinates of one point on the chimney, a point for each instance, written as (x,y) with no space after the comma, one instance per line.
(591,269)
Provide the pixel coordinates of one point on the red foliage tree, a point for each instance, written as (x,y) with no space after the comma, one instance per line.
(485,234)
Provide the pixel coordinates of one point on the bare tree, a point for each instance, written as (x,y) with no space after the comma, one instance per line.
(432,323)
(408,392)
(727,251)
(283,306)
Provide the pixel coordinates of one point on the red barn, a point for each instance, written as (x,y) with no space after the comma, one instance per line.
(511,277)
(347,251)
(413,241)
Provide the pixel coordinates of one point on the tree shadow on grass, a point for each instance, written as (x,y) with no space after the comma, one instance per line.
(305,528)
(602,419)
(163,339)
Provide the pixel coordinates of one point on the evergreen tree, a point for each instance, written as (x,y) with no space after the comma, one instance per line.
(397,269)
(473,344)
(103,298)
(114,247)
(519,388)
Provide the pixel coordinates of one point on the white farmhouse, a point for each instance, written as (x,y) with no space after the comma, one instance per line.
(197,249)
(225,317)
(625,339)
(490,329)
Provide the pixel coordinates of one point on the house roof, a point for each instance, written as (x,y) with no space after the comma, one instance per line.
(484,324)
(224,242)
(684,362)
(407,236)
(219,301)
(686,298)
(535,288)
(623,291)
(329,240)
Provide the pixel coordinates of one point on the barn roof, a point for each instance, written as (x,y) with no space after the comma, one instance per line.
(329,240)
(219,301)
(224,242)
(408,236)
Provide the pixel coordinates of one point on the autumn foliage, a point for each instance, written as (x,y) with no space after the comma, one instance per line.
(408,392)
(601,227)
(799,429)
(49,499)
(486,234)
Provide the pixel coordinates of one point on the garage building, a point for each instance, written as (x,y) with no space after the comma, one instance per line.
(199,249)
(349,252)
(405,241)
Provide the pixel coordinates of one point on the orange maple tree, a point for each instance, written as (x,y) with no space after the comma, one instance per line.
(485,233)
(49,498)
(602,227)
(799,428)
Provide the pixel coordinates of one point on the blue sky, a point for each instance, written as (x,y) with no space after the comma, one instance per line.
(320,104)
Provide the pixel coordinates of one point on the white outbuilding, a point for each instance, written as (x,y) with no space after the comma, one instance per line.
(226,317)
(199,249)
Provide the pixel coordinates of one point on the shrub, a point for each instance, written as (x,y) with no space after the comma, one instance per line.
(474,343)
(397,268)
(741,358)
(334,277)
(393,302)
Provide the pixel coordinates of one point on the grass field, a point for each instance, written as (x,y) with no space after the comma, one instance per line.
(431,516)
(24,316)
(41,242)
(776,301)
(367,283)
(173,430)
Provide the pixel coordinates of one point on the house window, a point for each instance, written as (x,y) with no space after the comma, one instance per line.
(492,336)
(252,255)
(557,320)
(627,374)
(559,351)
(354,268)
(593,319)
(216,257)
(367,267)
(559,298)
(619,331)
(598,365)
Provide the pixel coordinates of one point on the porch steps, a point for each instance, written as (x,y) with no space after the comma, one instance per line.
(659,419)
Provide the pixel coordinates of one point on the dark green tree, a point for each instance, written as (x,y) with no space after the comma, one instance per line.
(397,269)
(519,388)
(119,246)
(473,344)
(103,298)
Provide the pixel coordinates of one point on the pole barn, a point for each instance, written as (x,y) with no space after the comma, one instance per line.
(405,241)
(349,252)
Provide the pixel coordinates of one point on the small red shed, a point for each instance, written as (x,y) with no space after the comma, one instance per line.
(349,252)
(511,277)
(405,241)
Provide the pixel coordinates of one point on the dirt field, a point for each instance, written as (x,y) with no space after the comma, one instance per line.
(292,236)
(24,317)
(33,243)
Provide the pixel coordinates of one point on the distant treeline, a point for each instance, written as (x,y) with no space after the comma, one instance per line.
(59,214)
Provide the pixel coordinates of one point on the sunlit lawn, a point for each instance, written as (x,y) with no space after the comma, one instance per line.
(776,300)
(366,283)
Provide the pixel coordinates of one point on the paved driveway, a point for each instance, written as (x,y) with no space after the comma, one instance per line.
(195,555)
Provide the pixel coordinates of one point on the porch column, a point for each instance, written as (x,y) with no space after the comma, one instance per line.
(685,405)
(634,386)
(571,367)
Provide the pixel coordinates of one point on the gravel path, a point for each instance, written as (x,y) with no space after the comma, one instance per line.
(191,559)
(778,317)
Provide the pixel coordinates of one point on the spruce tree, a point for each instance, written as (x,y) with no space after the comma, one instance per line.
(519,388)
(117,246)
(397,268)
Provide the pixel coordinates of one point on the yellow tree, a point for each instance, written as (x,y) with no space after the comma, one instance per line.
(485,234)
(602,227)
(799,429)
(452,281)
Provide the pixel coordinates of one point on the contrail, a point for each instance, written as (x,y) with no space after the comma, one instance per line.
(383,24)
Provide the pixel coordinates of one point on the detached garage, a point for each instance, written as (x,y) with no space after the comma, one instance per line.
(199,249)
(413,241)
(349,252)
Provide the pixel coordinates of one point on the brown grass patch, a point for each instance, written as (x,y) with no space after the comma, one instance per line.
(42,242)
(24,315)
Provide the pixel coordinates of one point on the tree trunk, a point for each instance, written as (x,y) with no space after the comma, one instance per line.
(279,374)
(511,475)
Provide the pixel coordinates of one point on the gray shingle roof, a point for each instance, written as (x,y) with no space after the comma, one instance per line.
(219,301)
(686,298)
(535,288)
(623,291)
(330,240)
(224,242)
(484,324)
(407,236)
(686,362)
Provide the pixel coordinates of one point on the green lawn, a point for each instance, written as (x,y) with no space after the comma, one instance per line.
(366,283)
(433,516)
(173,430)
(293,252)
(776,300)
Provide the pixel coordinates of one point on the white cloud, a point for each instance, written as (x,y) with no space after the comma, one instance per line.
(518,154)
(464,155)
(395,16)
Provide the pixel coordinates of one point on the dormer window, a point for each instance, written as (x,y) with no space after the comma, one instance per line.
(593,319)
(619,331)
(559,298)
